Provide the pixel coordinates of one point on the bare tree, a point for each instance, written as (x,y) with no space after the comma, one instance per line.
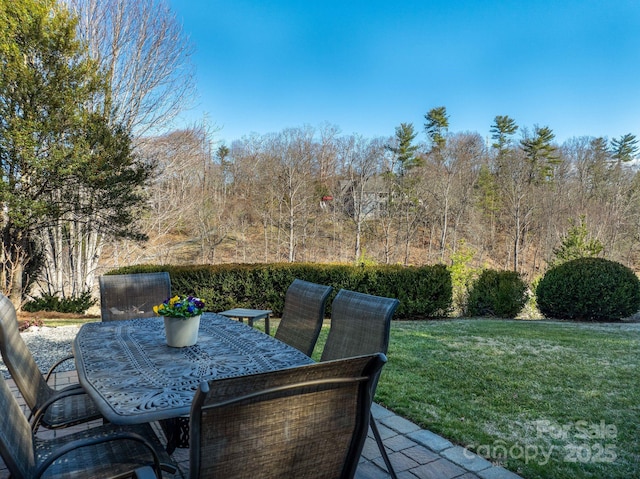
(187,205)
(282,196)
(145,57)
(469,152)
(295,170)
(326,152)
(361,164)
(249,176)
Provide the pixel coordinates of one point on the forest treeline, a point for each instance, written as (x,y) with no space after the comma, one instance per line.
(418,197)
(90,180)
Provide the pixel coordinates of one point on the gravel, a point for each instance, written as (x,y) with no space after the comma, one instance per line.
(48,345)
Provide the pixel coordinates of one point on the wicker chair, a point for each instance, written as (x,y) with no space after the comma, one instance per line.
(51,408)
(360,324)
(308,421)
(128,296)
(302,316)
(102,451)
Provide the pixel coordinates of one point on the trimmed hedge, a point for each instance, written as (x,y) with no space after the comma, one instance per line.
(589,289)
(502,294)
(424,292)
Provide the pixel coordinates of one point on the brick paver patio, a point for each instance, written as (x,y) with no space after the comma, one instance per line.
(415,453)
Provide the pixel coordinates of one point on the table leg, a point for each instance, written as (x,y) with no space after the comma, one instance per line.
(177,432)
(250,320)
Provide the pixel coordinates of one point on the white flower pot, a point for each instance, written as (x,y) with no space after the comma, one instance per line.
(181,332)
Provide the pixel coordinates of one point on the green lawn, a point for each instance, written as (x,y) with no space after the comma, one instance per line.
(543,399)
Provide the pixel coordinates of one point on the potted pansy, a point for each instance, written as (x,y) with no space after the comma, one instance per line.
(181,319)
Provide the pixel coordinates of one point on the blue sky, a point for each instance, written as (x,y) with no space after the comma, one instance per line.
(368,65)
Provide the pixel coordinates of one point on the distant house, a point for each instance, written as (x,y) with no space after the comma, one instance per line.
(374,196)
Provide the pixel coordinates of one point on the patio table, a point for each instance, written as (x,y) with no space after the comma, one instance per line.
(250,315)
(134,377)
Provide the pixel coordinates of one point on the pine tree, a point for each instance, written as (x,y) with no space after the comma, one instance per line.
(404,149)
(437,126)
(577,244)
(541,154)
(625,148)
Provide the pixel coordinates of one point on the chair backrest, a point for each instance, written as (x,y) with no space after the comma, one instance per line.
(302,316)
(360,324)
(128,296)
(308,421)
(19,360)
(16,441)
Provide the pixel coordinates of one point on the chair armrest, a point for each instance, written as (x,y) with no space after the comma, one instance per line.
(79,443)
(58,363)
(145,472)
(36,417)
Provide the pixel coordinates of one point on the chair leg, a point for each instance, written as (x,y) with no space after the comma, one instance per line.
(383,451)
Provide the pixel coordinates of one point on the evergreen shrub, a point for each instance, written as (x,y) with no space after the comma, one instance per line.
(589,289)
(500,294)
(51,302)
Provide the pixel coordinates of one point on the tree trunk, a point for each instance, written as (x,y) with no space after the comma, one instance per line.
(292,236)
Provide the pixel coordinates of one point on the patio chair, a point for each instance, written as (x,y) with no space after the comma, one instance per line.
(129,296)
(360,324)
(308,421)
(102,451)
(51,408)
(302,316)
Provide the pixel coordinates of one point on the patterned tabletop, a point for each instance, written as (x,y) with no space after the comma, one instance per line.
(134,377)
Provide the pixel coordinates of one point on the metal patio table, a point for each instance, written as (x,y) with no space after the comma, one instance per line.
(250,315)
(134,377)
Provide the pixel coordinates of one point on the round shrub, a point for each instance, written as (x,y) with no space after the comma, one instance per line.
(497,293)
(589,289)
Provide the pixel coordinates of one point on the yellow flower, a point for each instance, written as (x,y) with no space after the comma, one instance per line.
(180,307)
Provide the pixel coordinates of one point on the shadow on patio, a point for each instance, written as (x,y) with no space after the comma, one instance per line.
(415,453)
